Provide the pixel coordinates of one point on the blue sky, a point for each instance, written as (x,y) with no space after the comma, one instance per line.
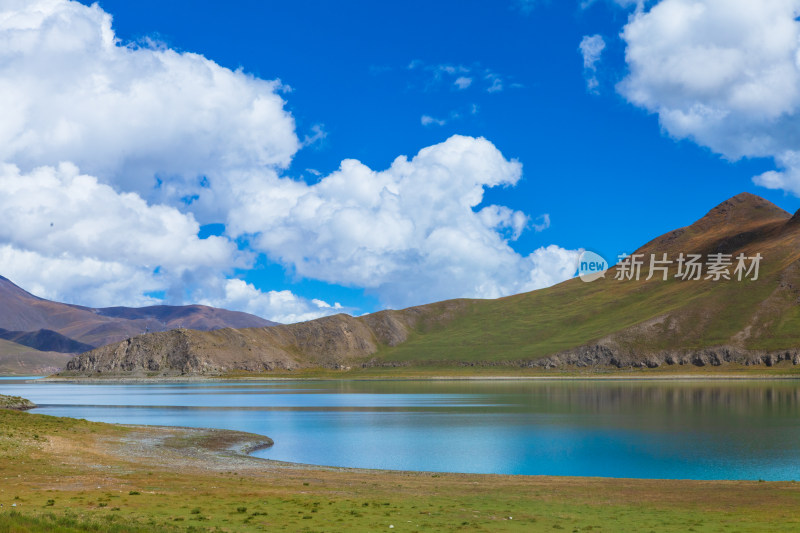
(370,81)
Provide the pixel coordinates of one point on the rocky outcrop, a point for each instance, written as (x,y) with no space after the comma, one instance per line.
(329,342)
(599,355)
(16,403)
(604,356)
(341,342)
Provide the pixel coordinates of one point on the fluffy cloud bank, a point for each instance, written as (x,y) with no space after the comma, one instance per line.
(106,143)
(281,306)
(724,73)
(70,91)
(113,154)
(67,234)
(409,233)
(59,211)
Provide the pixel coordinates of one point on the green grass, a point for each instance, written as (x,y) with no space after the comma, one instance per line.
(14,521)
(692,314)
(538,324)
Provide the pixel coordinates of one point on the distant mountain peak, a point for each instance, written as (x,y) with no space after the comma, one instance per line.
(8,289)
(27,320)
(744,217)
(743,209)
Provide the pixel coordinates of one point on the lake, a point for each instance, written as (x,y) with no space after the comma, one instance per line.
(622,428)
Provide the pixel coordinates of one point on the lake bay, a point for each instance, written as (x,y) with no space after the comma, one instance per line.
(610,428)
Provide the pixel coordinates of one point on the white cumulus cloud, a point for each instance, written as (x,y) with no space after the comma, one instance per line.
(112,154)
(70,91)
(409,233)
(280,306)
(724,73)
(81,280)
(69,238)
(59,211)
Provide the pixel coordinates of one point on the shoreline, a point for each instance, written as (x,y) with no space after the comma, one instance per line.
(159,478)
(236,445)
(264,378)
(228,448)
(245,444)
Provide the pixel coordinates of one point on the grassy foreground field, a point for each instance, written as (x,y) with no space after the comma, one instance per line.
(62,474)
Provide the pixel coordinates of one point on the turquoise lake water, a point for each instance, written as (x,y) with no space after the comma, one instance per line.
(642,429)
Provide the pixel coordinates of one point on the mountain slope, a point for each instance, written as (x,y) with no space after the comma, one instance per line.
(19,360)
(330,342)
(44,325)
(45,339)
(606,322)
(636,319)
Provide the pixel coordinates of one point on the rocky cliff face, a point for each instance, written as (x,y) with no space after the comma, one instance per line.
(608,358)
(330,342)
(611,356)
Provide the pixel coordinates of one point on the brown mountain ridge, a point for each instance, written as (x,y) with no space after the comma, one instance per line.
(35,329)
(609,323)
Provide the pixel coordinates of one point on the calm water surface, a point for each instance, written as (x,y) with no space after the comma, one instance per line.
(718,430)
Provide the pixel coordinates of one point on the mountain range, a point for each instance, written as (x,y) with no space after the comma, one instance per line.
(613,322)
(38,335)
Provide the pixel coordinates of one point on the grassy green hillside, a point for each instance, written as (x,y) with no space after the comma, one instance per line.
(572,314)
(608,322)
(644,316)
